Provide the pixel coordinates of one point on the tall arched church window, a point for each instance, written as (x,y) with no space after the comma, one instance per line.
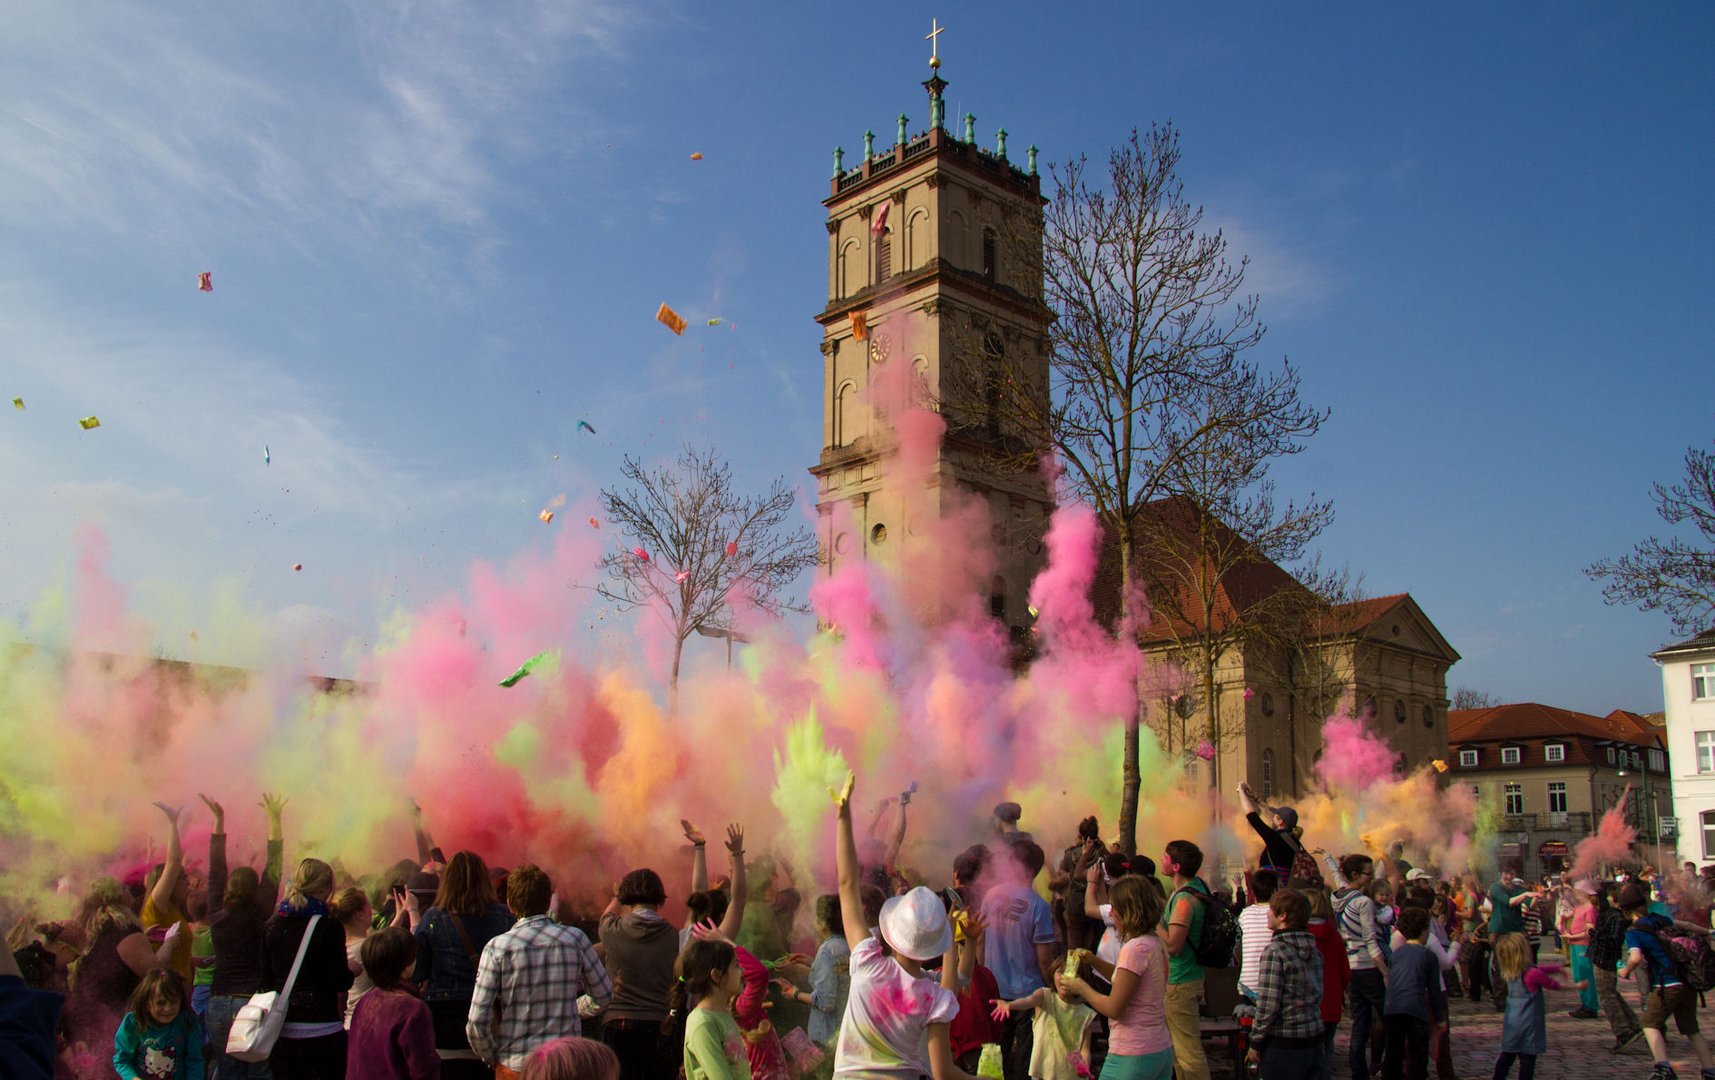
(884,255)
(844,400)
(851,279)
(990,263)
(1268,774)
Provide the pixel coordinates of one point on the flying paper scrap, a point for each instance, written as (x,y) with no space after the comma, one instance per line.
(547,517)
(1206,750)
(205,281)
(18,403)
(697,155)
(714,322)
(297,566)
(680,577)
(594,524)
(731,548)
(1440,766)
(671,319)
(529,666)
(90,422)
(879,225)
(860,325)
(1032,609)
(583,425)
(1249,693)
(267,458)
(641,554)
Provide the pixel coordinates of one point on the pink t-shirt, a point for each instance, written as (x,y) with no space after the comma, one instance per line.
(1583,921)
(1143,1027)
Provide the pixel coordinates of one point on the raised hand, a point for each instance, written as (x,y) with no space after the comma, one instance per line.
(708,931)
(273,805)
(174,813)
(215,809)
(692,833)
(734,840)
(843,797)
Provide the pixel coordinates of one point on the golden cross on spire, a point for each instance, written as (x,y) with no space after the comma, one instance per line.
(935,29)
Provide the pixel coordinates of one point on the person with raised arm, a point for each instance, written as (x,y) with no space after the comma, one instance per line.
(896,1022)
(167,890)
(239,903)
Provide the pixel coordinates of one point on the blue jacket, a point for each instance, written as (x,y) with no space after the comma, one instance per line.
(443,965)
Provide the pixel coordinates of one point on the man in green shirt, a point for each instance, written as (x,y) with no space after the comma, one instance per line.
(1183,929)
(1508,897)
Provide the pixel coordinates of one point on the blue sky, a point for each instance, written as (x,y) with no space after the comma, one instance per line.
(439,233)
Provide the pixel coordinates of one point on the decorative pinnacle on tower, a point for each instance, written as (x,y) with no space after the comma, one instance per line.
(935,29)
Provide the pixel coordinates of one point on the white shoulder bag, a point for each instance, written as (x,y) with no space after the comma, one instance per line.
(257,1025)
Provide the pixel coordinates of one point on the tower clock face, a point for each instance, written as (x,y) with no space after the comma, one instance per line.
(879,346)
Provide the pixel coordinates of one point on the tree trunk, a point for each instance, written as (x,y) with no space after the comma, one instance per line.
(1132,771)
(1209,661)
(673,679)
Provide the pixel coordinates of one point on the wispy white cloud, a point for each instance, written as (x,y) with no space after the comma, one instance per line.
(391,120)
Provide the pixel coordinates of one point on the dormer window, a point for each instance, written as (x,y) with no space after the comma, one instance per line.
(1510,755)
(1467,759)
(1554,752)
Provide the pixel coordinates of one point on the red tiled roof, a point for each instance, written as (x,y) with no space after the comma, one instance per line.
(1529,720)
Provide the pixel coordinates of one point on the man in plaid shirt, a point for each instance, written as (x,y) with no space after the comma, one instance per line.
(1286,1036)
(528,982)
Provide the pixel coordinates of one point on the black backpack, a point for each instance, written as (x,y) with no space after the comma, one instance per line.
(1220,943)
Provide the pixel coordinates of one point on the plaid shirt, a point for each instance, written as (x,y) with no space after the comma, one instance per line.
(531,977)
(1289,989)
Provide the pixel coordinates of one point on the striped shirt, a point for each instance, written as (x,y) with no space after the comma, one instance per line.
(532,976)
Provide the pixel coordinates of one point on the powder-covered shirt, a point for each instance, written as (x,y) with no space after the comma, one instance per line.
(888,1013)
(1254,936)
(1183,966)
(1057,1031)
(714,1048)
(1142,1028)
(1018,921)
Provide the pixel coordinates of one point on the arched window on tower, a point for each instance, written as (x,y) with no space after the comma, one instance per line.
(844,400)
(990,265)
(1268,774)
(884,255)
(849,268)
(994,369)
(916,240)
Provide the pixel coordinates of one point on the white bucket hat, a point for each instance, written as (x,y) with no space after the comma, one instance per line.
(915,925)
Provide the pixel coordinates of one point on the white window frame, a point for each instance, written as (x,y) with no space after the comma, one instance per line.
(1511,755)
(1511,793)
(1554,752)
(1707,821)
(1702,682)
(1705,743)
(1468,759)
(1658,761)
(1557,788)
(1610,755)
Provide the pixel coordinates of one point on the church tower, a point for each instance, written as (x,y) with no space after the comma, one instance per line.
(934,261)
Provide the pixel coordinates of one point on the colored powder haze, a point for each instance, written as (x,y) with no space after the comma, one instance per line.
(578,766)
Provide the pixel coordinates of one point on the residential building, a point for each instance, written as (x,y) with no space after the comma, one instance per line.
(934,287)
(1688,701)
(1554,773)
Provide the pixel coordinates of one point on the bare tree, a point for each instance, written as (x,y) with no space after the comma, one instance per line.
(1466,697)
(1672,575)
(704,547)
(1148,359)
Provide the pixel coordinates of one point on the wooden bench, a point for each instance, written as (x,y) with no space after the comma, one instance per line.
(1215,1029)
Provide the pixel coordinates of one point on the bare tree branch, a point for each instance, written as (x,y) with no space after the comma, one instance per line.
(684,517)
(1672,576)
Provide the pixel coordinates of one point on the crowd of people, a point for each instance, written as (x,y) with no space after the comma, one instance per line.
(1094,963)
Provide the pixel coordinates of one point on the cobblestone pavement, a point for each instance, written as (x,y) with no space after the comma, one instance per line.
(1576,1048)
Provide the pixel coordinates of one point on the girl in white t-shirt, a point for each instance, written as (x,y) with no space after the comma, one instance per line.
(1139,1047)
(896,1020)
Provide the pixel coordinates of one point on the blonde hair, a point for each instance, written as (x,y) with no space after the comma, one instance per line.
(313,878)
(1136,907)
(107,904)
(347,902)
(1512,955)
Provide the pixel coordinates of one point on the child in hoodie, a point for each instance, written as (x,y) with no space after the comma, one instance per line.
(1286,1036)
(1415,1000)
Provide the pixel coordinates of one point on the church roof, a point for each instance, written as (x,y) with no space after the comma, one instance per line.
(1248,583)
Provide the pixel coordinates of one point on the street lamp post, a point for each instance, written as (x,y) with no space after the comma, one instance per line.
(1654,807)
(730,635)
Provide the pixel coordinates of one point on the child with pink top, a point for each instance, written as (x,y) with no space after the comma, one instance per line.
(1139,1046)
